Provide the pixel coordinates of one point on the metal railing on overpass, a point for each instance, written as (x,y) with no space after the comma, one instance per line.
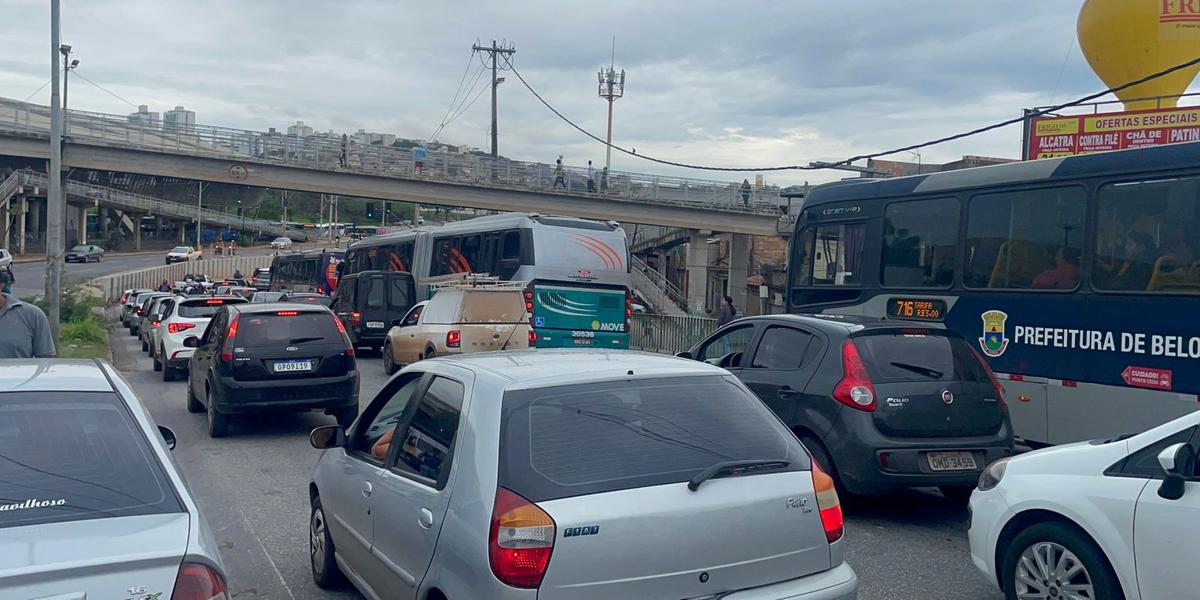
(668,334)
(150,205)
(332,153)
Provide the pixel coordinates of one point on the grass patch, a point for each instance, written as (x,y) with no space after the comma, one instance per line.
(83,332)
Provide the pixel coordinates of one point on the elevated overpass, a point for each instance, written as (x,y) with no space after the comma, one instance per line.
(327,164)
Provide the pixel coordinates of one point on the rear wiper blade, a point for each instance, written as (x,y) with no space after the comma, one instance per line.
(301,340)
(926,371)
(735,467)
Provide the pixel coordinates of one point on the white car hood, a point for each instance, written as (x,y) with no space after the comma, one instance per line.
(102,558)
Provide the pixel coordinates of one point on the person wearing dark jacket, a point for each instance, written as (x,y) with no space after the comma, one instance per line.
(728,311)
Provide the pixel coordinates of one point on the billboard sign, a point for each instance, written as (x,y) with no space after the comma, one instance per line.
(1051,137)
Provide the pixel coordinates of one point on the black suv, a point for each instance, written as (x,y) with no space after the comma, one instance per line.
(369,303)
(881,404)
(272,357)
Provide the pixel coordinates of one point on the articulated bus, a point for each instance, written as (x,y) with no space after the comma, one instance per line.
(1078,278)
(577,270)
(308,271)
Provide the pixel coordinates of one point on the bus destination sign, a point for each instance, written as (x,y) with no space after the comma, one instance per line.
(917,309)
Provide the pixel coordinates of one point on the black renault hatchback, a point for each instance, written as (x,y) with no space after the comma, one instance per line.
(272,357)
(881,404)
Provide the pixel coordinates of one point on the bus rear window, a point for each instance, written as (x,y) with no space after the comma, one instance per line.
(909,356)
(71,456)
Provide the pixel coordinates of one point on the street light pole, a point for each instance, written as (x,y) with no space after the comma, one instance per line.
(612,87)
(199,215)
(55,204)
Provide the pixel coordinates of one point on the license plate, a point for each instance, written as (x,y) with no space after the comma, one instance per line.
(293,366)
(581,341)
(374,324)
(951,461)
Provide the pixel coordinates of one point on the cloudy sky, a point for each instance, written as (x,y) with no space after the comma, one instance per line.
(725,83)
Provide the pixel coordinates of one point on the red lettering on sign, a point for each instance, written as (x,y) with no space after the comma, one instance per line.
(1147,377)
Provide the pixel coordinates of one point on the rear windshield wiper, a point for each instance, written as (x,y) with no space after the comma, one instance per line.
(301,340)
(735,468)
(926,371)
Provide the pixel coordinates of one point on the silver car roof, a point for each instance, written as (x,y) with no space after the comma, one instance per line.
(547,367)
(52,374)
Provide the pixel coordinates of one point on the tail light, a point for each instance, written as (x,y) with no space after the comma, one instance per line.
(854,389)
(199,582)
(528,295)
(628,309)
(227,347)
(320,290)
(155,323)
(453,338)
(215,302)
(179,327)
(520,541)
(138,310)
(828,503)
(124,298)
(345,336)
(992,377)
(532,338)
(356,319)
(286,313)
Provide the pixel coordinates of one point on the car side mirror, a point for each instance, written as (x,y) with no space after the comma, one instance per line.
(191,341)
(329,436)
(168,436)
(1178,462)
(685,354)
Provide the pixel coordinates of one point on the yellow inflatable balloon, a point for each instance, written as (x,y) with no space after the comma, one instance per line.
(1124,40)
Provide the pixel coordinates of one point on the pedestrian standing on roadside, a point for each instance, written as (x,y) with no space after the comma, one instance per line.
(344,157)
(558,174)
(24,330)
(164,286)
(7,280)
(745,192)
(726,315)
(233,247)
(591,175)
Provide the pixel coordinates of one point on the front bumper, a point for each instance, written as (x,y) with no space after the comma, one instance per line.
(286,396)
(989,514)
(858,448)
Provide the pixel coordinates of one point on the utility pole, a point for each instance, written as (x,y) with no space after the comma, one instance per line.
(494,51)
(611,87)
(55,202)
(283,218)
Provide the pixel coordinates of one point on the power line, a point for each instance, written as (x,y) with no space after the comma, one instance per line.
(102,88)
(459,113)
(35,92)
(450,106)
(849,161)
(456,108)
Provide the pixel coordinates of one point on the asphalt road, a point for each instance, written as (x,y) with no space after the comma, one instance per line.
(252,487)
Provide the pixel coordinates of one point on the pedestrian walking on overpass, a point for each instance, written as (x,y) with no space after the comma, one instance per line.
(746,192)
(604,180)
(558,174)
(591,176)
(24,330)
(344,157)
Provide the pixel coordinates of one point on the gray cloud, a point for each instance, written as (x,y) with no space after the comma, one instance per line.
(711,82)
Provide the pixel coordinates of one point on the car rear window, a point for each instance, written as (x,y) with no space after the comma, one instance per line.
(493,307)
(181,249)
(273,329)
(919,356)
(70,456)
(587,439)
(205,309)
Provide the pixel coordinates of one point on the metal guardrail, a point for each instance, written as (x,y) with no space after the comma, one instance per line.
(331,153)
(157,206)
(664,295)
(668,334)
(112,285)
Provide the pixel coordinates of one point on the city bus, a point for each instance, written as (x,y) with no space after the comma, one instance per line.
(577,270)
(307,271)
(1078,278)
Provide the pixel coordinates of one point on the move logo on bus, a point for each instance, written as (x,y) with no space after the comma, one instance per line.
(598,326)
(993,343)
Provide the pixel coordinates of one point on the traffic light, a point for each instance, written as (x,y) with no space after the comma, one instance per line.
(370,210)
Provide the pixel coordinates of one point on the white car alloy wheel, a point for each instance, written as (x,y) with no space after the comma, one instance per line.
(1047,570)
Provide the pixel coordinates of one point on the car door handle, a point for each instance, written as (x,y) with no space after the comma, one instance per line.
(425,520)
(367,489)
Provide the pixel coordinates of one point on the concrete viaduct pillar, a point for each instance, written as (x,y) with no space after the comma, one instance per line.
(696,262)
(739,268)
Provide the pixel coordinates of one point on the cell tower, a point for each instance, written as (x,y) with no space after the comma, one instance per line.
(612,86)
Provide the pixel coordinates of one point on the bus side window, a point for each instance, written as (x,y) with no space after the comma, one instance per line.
(920,240)
(1145,236)
(837,254)
(1028,239)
